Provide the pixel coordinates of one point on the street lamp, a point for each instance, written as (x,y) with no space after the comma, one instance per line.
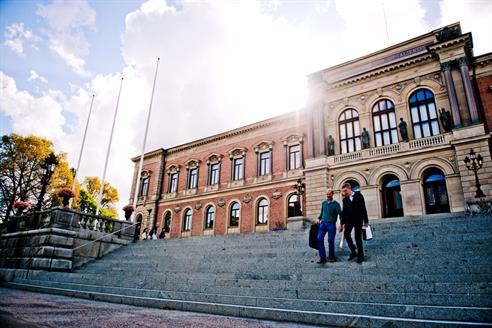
(300,188)
(47,169)
(475,163)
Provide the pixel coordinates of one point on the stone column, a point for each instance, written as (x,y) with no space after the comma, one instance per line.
(446,67)
(321,130)
(310,133)
(411,195)
(470,95)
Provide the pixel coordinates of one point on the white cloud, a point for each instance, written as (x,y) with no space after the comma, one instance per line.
(15,37)
(475,16)
(34,76)
(68,21)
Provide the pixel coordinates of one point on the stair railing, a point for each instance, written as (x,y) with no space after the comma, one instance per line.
(30,260)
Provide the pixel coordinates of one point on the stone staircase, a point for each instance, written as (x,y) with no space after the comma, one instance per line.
(431,271)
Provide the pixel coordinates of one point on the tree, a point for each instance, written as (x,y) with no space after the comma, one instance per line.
(21,171)
(89,192)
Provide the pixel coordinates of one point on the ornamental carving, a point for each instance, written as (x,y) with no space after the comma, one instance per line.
(174,168)
(192,163)
(198,206)
(263,146)
(221,202)
(214,158)
(293,138)
(237,152)
(177,209)
(247,198)
(146,173)
(276,194)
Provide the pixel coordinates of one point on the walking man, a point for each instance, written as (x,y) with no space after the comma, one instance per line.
(354,215)
(330,210)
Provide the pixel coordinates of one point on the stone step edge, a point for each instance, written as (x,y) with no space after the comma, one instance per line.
(270,298)
(302,316)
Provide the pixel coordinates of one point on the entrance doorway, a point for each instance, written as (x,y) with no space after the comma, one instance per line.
(391,192)
(435,192)
(167,222)
(138,227)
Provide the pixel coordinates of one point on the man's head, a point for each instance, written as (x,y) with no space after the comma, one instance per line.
(329,194)
(346,189)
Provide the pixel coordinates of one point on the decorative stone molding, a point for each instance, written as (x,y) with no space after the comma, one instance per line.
(214,158)
(145,173)
(192,163)
(173,168)
(276,194)
(293,138)
(198,206)
(263,146)
(237,152)
(177,209)
(221,202)
(247,198)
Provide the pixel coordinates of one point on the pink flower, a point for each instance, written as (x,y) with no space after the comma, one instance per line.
(128,208)
(21,204)
(65,192)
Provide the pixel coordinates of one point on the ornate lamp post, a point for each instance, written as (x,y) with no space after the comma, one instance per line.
(48,168)
(300,188)
(474,163)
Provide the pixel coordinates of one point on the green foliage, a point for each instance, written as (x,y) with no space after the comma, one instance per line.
(86,203)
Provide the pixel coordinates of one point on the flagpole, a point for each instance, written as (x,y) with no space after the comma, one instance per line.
(140,166)
(109,149)
(81,150)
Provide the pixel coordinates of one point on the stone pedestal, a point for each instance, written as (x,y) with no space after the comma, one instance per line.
(298,223)
(412,198)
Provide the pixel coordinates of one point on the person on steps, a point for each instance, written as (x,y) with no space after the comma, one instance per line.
(330,211)
(354,215)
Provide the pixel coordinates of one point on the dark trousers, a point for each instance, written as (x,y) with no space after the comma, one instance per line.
(331,228)
(358,238)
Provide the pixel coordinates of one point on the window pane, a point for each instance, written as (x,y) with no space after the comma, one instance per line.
(423,113)
(377,127)
(416,129)
(344,147)
(379,141)
(392,120)
(428,94)
(394,136)
(342,131)
(348,114)
(426,129)
(382,105)
(350,146)
(354,113)
(435,127)
(356,128)
(357,143)
(415,114)
(386,138)
(350,132)
(390,104)
(384,121)
(420,95)
(432,110)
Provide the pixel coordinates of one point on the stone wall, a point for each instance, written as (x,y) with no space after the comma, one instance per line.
(60,239)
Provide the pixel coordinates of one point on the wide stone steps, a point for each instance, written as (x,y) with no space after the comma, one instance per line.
(434,271)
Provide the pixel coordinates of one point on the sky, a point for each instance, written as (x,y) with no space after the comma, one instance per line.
(223,64)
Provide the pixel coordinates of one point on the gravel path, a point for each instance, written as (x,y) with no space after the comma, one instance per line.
(34,310)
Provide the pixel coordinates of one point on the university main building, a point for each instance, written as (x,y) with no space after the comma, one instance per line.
(398,125)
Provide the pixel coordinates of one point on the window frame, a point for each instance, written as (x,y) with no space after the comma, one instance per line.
(378,114)
(214,174)
(296,155)
(173,183)
(235,175)
(193,178)
(264,210)
(265,164)
(144,186)
(429,121)
(209,226)
(345,122)
(185,216)
(237,211)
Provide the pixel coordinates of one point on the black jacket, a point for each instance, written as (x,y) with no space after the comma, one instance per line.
(354,211)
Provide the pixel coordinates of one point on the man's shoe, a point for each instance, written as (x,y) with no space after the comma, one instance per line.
(352,256)
(333,260)
(321,261)
(360,260)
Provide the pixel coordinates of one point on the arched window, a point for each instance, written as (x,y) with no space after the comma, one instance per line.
(167,221)
(262,212)
(384,120)
(435,191)
(354,184)
(234,215)
(187,219)
(210,217)
(294,206)
(424,113)
(349,131)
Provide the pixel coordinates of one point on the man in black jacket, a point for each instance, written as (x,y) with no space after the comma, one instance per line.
(354,215)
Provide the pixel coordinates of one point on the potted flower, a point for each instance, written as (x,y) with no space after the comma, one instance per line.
(20,206)
(65,194)
(129,209)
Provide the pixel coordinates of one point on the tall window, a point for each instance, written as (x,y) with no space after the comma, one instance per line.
(234,215)
(193,178)
(265,163)
(424,114)
(209,220)
(349,131)
(294,157)
(384,119)
(262,212)
(214,174)
(238,168)
(173,182)
(144,190)
(187,220)
(294,206)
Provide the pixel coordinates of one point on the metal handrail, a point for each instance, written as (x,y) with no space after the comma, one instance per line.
(29,261)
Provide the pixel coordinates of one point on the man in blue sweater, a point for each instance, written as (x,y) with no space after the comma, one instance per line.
(327,220)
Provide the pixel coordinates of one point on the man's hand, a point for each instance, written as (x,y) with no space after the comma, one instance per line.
(366,224)
(342,226)
(319,221)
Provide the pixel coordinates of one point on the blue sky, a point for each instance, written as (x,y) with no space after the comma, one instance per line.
(224,63)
